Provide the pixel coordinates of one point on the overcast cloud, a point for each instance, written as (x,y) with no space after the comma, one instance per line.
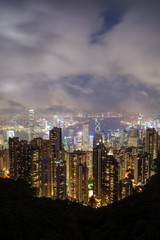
(80,55)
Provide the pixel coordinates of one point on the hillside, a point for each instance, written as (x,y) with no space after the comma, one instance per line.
(25,217)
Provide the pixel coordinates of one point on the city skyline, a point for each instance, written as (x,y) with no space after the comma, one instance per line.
(79,55)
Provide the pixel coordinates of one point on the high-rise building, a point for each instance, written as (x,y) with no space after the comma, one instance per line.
(125,188)
(99,155)
(133,138)
(140,121)
(105,175)
(79,141)
(98,135)
(151,143)
(31,124)
(45,177)
(91,137)
(35,156)
(82,183)
(109,180)
(59,189)
(75,158)
(55,140)
(85,137)
(69,144)
(13,145)
(142,168)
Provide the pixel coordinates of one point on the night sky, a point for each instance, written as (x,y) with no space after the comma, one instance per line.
(80,55)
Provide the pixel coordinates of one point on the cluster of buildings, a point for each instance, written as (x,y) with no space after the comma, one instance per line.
(113,164)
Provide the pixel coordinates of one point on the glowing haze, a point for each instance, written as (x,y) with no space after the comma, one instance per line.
(80,55)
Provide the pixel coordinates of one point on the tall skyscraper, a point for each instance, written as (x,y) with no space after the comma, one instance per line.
(55,139)
(13,145)
(85,137)
(133,138)
(98,135)
(31,124)
(151,143)
(45,177)
(99,155)
(59,191)
(82,183)
(142,168)
(105,175)
(79,141)
(35,156)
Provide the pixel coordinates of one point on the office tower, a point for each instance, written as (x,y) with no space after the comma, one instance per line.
(59,189)
(31,124)
(55,121)
(140,121)
(13,145)
(85,137)
(124,138)
(91,137)
(69,144)
(10,134)
(89,162)
(97,136)
(125,188)
(142,168)
(151,143)
(105,175)
(82,183)
(45,177)
(79,142)
(133,138)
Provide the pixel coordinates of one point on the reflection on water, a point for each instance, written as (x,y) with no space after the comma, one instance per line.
(106,125)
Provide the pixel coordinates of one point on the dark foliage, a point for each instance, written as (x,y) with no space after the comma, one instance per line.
(23,216)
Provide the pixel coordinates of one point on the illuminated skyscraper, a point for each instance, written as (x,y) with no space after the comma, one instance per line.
(59,191)
(31,124)
(82,183)
(45,177)
(75,158)
(85,137)
(98,135)
(55,139)
(133,138)
(142,168)
(91,142)
(69,144)
(35,156)
(99,155)
(140,121)
(79,142)
(151,142)
(13,145)
(105,175)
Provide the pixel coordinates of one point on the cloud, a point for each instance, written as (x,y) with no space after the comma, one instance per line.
(78,55)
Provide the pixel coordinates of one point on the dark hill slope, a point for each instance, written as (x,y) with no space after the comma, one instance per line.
(24,217)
